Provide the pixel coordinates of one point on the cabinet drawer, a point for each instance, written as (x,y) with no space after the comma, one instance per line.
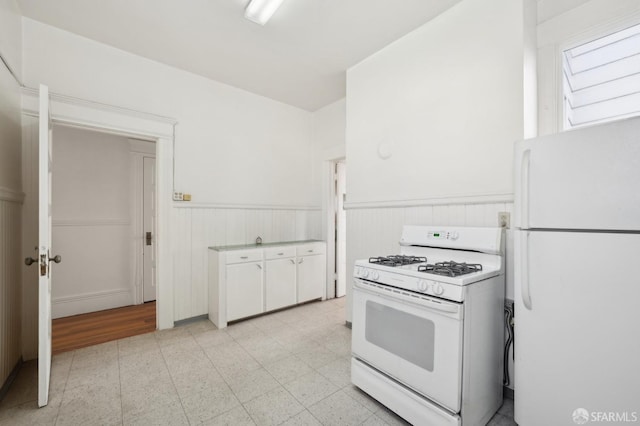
(241,256)
(310,249)
(279,252)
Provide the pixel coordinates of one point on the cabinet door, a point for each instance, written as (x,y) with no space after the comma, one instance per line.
(280,283)
(311,277)
(244,290)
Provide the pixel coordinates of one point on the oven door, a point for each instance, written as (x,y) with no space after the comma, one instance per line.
(415,339)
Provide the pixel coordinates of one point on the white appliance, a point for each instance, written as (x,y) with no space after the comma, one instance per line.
(577,292)
(427,327)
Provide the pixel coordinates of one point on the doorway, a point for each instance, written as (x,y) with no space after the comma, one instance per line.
(89,115)
(340,218)
(103,188)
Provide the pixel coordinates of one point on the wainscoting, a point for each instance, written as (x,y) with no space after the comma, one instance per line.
(194,229)
(10,289)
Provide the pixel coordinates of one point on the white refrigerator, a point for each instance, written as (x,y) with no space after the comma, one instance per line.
(577,276)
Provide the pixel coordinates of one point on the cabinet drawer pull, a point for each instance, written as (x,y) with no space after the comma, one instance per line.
(293,261)
(280,254)
(259,266)
(244,257)
(309,251)
(301,260)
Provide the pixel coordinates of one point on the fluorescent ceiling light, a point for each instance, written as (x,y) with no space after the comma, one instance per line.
(259,11)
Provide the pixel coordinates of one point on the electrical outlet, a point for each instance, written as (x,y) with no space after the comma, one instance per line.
(177,196)
(504,220)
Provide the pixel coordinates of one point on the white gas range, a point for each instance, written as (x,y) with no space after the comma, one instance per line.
(428,325)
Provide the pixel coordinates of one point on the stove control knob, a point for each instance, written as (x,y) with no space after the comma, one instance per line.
(375,275)
(455,235)
(365,272)
(437,289)
(356,271)
(422,286)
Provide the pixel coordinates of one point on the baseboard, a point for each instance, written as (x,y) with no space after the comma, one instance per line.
(507,392)
(91,302)
(12,377)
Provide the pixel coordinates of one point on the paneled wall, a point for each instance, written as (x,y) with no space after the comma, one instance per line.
(10,295)
(195,229)
(10,188)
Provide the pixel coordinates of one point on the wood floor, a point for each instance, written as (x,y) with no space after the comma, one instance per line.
(84,330)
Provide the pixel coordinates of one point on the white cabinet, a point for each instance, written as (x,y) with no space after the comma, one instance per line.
(244,290)
(311,271)
(244,281)
(280,283)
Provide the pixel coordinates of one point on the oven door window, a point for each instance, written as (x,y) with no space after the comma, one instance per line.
(382,329)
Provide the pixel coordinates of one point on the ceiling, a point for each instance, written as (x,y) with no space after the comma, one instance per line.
(299,57)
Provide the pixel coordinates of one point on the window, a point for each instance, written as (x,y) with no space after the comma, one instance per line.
(602,79)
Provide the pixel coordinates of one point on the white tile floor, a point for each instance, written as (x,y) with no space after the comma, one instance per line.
(290,367)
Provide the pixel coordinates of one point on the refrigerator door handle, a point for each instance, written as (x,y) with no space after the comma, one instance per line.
(524,270)
(524,188)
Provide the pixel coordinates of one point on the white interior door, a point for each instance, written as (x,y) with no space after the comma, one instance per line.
(341,231)
(149,226)
(44,246)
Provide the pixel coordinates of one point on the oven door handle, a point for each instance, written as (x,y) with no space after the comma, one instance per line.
(407,297)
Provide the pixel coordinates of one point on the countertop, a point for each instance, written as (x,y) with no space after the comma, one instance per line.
(263,245)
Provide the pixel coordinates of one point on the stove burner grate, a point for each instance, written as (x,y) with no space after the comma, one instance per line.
(451,268)
(397,260)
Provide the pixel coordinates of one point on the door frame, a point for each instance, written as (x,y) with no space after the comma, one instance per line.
(80,113)
(337,221)
(331,157)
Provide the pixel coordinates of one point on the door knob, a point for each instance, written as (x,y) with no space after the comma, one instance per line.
(57,259)
(30,260)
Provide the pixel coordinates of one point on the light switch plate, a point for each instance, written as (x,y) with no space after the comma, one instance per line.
(177,196)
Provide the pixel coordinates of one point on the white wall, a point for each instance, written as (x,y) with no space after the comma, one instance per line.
(10,190)
(92,223)
(225,138)
(329,128)
(11,50)
(240,155)
(445,102)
